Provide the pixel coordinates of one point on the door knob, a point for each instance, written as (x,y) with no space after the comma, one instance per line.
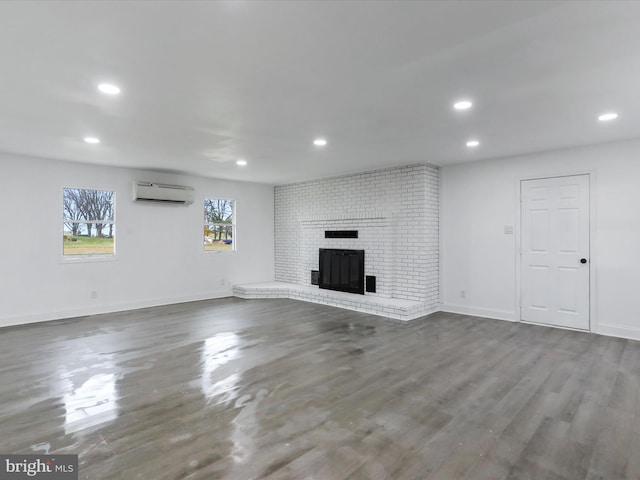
(583,260)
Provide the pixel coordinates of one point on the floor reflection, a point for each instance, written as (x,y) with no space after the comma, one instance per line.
(93,402)
(246,428)
(216,352)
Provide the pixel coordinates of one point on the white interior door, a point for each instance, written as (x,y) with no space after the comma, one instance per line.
(555,251)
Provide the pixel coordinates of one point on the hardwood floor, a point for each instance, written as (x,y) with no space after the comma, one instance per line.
(280,389)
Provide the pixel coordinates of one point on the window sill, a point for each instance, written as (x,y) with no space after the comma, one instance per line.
(71,259)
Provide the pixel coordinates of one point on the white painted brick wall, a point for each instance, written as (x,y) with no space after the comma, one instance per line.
(396,213)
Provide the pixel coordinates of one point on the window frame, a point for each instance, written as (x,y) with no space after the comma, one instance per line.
(234,245)
(88,257)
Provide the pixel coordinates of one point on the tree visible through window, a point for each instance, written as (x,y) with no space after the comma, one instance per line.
(219,224)
(89,226)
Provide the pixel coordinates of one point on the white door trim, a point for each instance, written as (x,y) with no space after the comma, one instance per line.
(593,261)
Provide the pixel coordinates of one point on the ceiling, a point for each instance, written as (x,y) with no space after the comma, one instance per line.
(207,83)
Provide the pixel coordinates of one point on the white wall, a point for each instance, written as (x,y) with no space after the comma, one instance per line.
(159,259)
(478,199)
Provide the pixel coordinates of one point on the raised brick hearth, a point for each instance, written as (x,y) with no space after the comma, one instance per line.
(395,308)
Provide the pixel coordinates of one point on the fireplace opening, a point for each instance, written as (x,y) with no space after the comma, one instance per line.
(342,270)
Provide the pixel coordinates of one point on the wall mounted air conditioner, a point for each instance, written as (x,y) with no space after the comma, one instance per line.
(159,193)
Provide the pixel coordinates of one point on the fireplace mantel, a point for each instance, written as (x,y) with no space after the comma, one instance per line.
(347,217)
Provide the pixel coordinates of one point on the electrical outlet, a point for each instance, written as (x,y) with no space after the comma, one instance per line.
(94,294)
(463,294)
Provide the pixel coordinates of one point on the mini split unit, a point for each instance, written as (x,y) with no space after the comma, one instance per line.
(159,193)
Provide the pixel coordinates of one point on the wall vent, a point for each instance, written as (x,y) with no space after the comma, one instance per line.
(370,284)
(341,234)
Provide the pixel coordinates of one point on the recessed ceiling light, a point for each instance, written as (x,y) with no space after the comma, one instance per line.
(320,142)
(462,105)
(91,140)
(606,117)
(109,89)
(473,143)
(242,163)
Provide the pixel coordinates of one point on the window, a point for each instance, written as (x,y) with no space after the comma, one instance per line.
(89,222)
(219,224)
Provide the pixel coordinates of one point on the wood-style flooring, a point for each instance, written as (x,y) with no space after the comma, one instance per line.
(280,389)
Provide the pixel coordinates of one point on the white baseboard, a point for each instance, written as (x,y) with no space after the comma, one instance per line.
(507,315)
(35,317)
(617,331)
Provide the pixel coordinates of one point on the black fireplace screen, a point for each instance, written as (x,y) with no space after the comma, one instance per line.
(342,270)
